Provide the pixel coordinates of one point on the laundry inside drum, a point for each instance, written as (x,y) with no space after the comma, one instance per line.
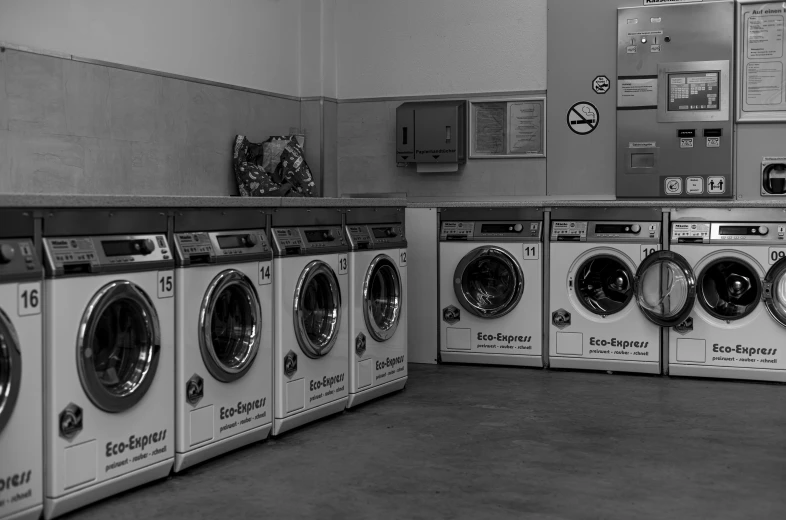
(729,289)
(120,348)
(489,283)
(604,284)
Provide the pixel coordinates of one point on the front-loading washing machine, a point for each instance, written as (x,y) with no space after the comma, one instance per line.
(603,313)
(377,303)
(491,286)
(736,269)
(224,332)
(21,396)
(310,290)
(109,407)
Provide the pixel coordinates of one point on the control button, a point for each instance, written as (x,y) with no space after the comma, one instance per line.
(763,230)
(147,246)
(517,228)
(635,228)
(643,39)
(7,253)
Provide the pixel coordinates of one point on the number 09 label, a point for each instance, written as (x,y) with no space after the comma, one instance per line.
(776,253)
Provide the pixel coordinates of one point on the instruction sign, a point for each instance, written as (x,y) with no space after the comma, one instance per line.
(637,92)
(601,84)
(763,57)
(583,118)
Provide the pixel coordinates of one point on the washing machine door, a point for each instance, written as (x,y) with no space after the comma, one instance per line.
(317,309)
(603,283)
(665,288)
(382,298)
(230,325)
(775,291)
(10,369)
(118,346)
(488,282)
(729,287)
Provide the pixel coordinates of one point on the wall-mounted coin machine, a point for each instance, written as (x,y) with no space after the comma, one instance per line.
(674,100)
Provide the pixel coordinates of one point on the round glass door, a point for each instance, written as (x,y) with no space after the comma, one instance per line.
(382,298)
(118,346)
(775,291)
(488,282)
(230,325)
(729,288)
(604,284)
(665,288)
(10,369)
(317,309)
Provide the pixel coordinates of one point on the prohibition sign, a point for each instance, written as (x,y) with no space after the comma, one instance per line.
(583,118)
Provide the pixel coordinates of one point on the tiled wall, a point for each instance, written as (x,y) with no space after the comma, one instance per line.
(72,127)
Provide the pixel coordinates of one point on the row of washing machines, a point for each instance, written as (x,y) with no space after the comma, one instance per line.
(140,342)
(685,292)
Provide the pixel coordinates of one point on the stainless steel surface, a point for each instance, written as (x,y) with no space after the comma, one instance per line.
(492,231)
(317,322)
(81,255)
(126,384)
(755,143)
(422,289)
(230,292)
(309,240)
(750,233)
(618,231)
(475,296)
(240,245)
(382,298)
(10,369)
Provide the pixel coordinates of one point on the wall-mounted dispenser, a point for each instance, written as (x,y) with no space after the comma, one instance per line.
(773,176)
(432,134)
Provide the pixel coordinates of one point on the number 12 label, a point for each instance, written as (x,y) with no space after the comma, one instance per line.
(264,273)
(776,253)
(166,284)
(29,298)
(342,264)
(402,257)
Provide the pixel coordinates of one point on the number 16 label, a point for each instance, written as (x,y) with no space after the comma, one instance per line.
(776,253)
(342,264)
(166,284)
(29,298)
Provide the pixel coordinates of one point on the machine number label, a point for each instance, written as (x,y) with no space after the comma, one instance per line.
(343,264)
(647,250)
(29,298)
(402,257)
(713,142)
(531,252)
(166,284)
(686,142)
(263,268)
(776,253)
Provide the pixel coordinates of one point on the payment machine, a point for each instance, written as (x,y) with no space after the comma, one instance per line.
(674,100)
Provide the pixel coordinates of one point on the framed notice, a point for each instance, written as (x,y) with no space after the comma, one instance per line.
(761,62)
(507,128)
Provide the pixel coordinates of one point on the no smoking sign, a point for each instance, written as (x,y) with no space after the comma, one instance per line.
(601,84)
(583,118)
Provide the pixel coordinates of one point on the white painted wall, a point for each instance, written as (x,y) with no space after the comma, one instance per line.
(251,43)
(424,47)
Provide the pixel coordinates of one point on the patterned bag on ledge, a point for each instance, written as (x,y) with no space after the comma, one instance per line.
(252,179)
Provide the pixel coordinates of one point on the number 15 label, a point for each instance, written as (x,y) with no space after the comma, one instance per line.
(166,284)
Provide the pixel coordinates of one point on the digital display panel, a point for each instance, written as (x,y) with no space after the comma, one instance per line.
(736,230)
(612,228)
(689,91)
(121,248)
(318,235)
(380,232)
(496,228)
(230,241)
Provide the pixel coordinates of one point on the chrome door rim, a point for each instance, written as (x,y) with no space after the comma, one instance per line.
(469,259)
(773,276)
(690,297)
(231,278)
(314,269)
(10,369)
(133,392)
(382,333)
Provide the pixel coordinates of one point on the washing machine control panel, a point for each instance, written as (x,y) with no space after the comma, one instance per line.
(84,255)
(725,232)
(485,231)
(606,231)
(308,240)
(387,235)
(222,246)
(18,259)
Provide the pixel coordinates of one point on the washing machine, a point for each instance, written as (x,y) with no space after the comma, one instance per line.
(377,303)
(491,286)
(605,302)
(735,268)
(310,289)
(109,412)
(224,332)
(21,397)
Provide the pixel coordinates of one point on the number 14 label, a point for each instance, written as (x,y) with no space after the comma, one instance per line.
(264,273)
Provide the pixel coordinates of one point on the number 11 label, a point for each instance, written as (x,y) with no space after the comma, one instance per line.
(531,251)
(29,298)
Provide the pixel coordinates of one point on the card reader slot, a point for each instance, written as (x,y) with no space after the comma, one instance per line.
(292,250)
(77,268)
(690,240)
(200,259)
(563,238)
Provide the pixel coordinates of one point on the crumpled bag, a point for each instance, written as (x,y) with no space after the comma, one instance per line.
(251,179)
(294,170)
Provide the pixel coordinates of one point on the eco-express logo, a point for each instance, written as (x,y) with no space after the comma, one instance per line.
(242,408)
(504,338)
(390,362)
(134,443)
(325,382)
(617,343)
(15,480)
(748,351)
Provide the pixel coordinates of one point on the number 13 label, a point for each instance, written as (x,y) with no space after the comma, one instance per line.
(166,284)
(342,264)
(776,253)
(29,298)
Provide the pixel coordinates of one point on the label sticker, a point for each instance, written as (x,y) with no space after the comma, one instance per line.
(713,142)
(343,264)
(583,118)
(655,48)
(694,185)
(643,144)
(639,92)
(166,284)
(601,84)
(402,257)
(28,298)
(264,273)
(716,185)
(686,142)
(776,253)
(673,186)
(631,49)
(531,251)
(661,2)
(648,249)
(646,33)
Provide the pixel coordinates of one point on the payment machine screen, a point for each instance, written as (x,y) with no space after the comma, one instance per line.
(694,91)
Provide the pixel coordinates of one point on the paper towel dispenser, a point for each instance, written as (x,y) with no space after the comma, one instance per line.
(432,132)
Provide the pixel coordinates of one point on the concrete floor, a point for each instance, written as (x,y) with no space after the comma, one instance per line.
(477,442)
